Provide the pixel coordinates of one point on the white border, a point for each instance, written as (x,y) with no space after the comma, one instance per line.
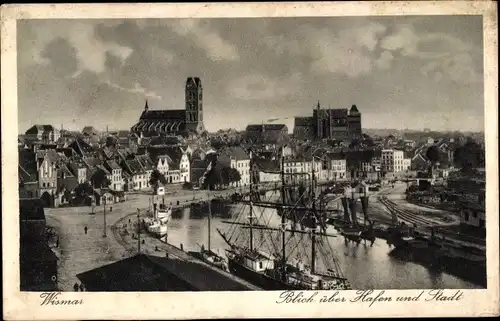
(19,305)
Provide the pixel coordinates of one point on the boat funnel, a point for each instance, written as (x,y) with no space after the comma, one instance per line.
(364,206)
(352,205)
(346,210)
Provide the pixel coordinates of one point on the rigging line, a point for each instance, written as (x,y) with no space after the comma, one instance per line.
(267,223)
(238,216)
(296,246)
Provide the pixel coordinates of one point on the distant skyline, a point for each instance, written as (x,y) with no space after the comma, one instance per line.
(411,72)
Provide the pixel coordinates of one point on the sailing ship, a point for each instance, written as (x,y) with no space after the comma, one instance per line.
(348,225)
(275,269)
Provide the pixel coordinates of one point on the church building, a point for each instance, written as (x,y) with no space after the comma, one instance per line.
(174,121)
(340,124)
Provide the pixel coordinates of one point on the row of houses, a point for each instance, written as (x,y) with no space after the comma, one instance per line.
(53,174)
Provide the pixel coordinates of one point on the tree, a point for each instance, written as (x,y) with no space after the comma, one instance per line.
(354,143)
(83,190)
(433,154)
(156,177)
(100,180)
(225,176)
(469,156)
(110,141)
(234,175)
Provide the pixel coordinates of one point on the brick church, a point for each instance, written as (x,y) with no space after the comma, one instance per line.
(340,124)
(174,121)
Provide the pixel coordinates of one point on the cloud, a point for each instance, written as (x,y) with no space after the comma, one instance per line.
(459,68)
(385,59)
(443,55)
(404,40)
(216,48)
(348,52)
(90,51)
(137,89)
(262,87)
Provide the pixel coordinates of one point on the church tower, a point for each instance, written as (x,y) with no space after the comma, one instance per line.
(194,105)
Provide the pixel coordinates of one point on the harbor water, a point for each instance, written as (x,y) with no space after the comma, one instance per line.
(365,266)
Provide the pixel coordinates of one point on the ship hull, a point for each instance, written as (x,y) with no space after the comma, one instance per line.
(259,279)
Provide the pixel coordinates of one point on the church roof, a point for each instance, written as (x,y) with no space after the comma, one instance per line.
(160,125)
(172,114)
(342,112)
(266,127)
(304,121)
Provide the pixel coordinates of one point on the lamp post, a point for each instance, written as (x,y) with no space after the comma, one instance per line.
(104,203)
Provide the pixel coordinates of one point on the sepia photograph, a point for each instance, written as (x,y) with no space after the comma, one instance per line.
(291,154)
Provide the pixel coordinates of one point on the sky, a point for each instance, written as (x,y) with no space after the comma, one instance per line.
(401,72)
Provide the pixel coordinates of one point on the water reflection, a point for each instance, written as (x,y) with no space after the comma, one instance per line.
(366,267)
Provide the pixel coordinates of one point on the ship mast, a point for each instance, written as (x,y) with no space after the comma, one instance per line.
(209,217)
(313,235)
(251,203)
(283,216)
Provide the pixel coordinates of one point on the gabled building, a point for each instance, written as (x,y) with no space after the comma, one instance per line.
(266,171)
(135,174)
(162,164)
(66,184)
(336,169)
(82,148)
(147,164)
(43,133)
(116,177)
(28,180)
(47,176)
(237,158)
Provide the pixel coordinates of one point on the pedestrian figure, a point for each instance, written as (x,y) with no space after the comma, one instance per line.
(82,287)
(76,287)
(57,242)
(85,229)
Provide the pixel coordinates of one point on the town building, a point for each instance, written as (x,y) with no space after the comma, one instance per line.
(340,124)
(135,176)
(37,261)
(265,170)
(116,177)
(79,170)
(336,168)
(393,161)
(47,176)
(42,133)
(469,191)
(301,168)
(174,121)
(236,157)
(266,134)
(304,128)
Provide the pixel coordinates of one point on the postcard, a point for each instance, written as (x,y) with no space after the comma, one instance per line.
(249,160)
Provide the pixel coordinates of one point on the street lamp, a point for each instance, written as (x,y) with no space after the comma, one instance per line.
(104,202)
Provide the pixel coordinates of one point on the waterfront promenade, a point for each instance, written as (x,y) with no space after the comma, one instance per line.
(81,250)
